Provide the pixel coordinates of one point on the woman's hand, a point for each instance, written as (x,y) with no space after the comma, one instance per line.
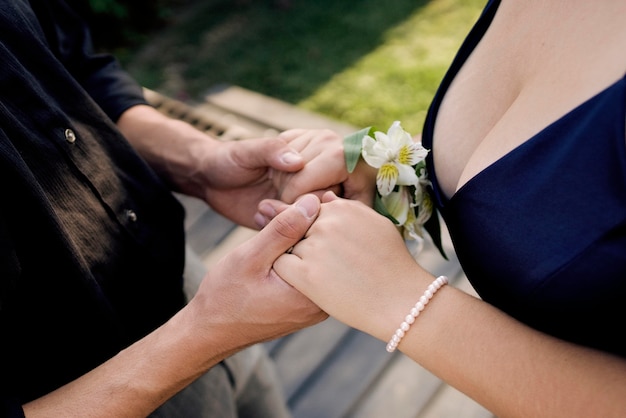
(355,265)
(325,170)
(243,300)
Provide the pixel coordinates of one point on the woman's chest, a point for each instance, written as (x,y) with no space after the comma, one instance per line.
(535,63)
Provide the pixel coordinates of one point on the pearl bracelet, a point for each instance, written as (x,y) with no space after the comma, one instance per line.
(437,284)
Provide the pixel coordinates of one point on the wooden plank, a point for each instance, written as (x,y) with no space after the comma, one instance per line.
(212,120)
(273,113)
(300,355)
(402,391)
(208,231)
(194,208)
(342,378)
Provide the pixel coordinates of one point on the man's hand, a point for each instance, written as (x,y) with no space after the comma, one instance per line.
(238,175)
(243,299)
(325,170)
(240,302)
(231,176)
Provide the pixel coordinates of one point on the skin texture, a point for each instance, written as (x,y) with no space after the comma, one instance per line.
(325,170)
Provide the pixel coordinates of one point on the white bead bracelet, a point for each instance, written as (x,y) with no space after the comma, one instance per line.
(437,284)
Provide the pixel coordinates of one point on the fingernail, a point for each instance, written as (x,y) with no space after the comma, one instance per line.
(308,205)
(267,210)
(290,157)
(260,220)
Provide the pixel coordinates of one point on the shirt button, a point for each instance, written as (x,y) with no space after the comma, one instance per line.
(131,215)
(70,136)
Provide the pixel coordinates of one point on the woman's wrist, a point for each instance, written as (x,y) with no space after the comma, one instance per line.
(397,303)
(415,311)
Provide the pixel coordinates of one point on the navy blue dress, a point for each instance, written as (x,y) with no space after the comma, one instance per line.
(541,233)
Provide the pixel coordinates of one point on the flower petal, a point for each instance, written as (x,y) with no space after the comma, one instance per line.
(398,135)
(406,175)
(414,154)
(397,204)
(372,153)
(383,139)
(386,178)
(425,210)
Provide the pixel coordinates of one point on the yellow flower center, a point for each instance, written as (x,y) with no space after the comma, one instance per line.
(405,154)
(388,172)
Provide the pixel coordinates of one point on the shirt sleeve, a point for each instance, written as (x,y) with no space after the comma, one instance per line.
(100,74)
(10,409)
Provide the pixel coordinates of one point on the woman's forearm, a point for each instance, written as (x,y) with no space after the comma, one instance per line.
(476,348)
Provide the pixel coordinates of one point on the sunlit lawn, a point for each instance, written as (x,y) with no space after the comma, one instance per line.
(365,62)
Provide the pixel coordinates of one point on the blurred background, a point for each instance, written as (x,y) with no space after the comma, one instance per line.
(362,62)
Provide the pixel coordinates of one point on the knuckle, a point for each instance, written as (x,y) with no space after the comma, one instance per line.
(286,227)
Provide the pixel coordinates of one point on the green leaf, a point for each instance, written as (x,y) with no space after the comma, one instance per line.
(379,207)
(419,167)
(352,145)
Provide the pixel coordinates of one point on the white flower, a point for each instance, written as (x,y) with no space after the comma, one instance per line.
(413,227)
(425,211)
(412,230)
(398,204)
(423,183)
(402,179)
(394,154)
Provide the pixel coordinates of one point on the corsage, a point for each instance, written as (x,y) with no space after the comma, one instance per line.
(401,182)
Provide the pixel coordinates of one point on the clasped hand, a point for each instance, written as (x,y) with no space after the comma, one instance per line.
(301,166)
(349,248)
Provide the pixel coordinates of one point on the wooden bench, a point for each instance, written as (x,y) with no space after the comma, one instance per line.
(328,370)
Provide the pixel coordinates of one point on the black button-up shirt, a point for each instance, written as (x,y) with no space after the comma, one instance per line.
(91,240)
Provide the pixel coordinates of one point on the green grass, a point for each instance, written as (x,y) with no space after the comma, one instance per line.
(364,62)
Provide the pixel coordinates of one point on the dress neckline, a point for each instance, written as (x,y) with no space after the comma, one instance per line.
(470,43)
(530,143)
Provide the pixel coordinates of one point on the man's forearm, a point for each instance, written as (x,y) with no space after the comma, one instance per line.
(143,376)
(173,148)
